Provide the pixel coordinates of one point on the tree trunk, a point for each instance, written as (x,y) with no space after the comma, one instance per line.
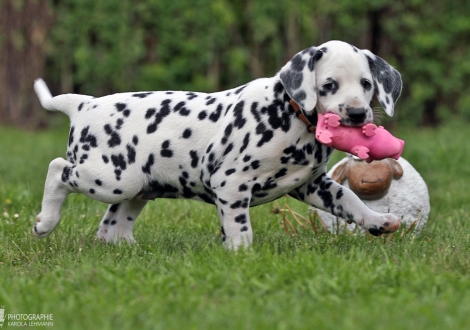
(24,25)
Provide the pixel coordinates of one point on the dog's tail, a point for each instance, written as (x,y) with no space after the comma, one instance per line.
(66,103)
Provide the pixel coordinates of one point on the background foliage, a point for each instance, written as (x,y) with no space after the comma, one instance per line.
(103,46)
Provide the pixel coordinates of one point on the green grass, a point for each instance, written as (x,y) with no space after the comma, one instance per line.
(180,277)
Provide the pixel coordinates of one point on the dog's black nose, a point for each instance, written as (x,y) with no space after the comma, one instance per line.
(357,115)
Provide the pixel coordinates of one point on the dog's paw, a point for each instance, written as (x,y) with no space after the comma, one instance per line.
(388,224)
(40,230)
(108,235)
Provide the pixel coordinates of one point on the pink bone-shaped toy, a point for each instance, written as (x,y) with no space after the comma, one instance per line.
(368,142)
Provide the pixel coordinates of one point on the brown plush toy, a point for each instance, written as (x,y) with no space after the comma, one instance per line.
(368,180)
(387,185)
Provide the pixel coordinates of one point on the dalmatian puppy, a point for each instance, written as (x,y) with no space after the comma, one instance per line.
(235,149)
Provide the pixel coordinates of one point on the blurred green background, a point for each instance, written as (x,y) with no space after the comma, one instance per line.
(100,47)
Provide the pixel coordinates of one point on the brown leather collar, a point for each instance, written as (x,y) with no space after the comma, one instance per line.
(301,116)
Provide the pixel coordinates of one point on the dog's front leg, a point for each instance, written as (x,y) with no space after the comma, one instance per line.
(324,193)
(235,221)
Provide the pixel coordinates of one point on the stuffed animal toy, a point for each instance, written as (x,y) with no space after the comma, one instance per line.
(368,142)
(384,186)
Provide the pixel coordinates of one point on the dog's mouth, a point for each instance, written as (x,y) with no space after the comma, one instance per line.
(353,122)
(348,122)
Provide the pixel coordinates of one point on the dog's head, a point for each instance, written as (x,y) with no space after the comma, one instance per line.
(337,77)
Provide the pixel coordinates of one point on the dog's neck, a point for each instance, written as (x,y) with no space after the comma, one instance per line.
(301,116)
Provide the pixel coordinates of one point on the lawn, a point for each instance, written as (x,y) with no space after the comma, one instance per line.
(179,276)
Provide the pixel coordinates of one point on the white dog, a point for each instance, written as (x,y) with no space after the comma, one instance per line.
(235,149)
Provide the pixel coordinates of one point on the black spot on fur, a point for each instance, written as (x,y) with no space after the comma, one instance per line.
(179,106)
(113,208)
(254,111)
(131,153)
(187,133)
(246,140)
(282,172)
(242,187)
(240,204)
(227,132)
(72,130)
(159,116)
(266,137)
(240,89)
(211,101)
(278,89)
(142,95)
(241,219)
(191,95)
(202,115)
(278,117)
(230,171)
(119,161)
(86,137)
(115,138)
(228,108)
(319,154)
(339,194)
(238,113)
(297,63)
(66,173)
(255,164)
(117,191)
(120,106)
(83,158)
(228,149)
(194,158)
(216,114)
(150,161)
(297,155)
(150,112)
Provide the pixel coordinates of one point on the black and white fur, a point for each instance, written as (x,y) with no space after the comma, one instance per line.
(235,149)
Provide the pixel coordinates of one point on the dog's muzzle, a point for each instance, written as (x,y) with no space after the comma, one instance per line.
(357,116)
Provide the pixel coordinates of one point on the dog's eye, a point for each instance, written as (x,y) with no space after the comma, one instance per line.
(366,84)
(329,86)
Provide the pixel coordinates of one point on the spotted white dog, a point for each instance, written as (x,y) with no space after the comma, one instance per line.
(235,149)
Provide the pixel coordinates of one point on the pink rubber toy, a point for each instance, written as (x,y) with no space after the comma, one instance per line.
(368,142)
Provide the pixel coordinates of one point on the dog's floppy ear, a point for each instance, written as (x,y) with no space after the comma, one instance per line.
(298,78)
(387,81)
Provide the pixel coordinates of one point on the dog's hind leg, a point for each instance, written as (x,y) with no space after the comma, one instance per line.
(119,219)
(59,184)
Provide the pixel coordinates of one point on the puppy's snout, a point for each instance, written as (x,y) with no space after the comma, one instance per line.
(357,115)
